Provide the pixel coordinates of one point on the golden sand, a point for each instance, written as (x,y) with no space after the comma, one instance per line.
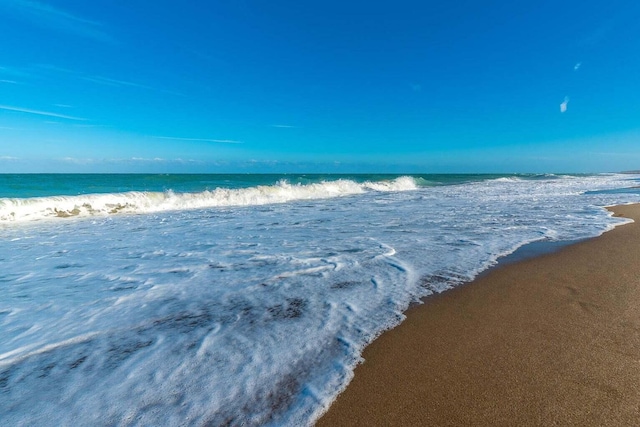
(553,340)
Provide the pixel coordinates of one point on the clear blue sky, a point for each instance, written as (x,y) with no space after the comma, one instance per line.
(262,86)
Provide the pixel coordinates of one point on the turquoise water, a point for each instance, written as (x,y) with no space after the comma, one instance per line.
(44,185)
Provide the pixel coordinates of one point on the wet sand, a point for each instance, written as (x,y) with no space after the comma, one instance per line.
(553,340)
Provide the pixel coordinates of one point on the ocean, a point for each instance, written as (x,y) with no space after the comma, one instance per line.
(243,299)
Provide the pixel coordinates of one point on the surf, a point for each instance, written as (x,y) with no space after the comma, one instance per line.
(142,202)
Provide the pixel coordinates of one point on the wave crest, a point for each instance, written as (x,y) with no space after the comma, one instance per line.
(37,208)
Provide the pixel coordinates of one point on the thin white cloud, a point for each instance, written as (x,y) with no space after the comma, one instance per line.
(13,72)
(283,126)
(599,34)
(113,82)
(563,105)
(620,154)
(106,81)
(130,161)
(51,67)
(63,105)
(13,82)
(142,159)
(147,160)
(78,125)
(9,158)
(39,113)
(577,66)
(45,15)
(77,161)
(225,141)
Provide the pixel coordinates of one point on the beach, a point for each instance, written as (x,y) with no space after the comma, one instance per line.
(551,340)
(249,299)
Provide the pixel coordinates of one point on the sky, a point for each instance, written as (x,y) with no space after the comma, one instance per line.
(319,86)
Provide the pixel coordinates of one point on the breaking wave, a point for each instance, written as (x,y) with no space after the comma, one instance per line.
(37,208)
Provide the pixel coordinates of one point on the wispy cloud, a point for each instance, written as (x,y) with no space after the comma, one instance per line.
(78,125)
(563,105)
(143,159)
(599,34)
(45,15)
(129,161)
(614,154)
(14,72)
(105,81)
(113,82)
(51,67)
(77,161)
(577,66)
(13,82)
(224,141)
(155,160)
(39,113)
(63,105)
(9,158)
(283,126)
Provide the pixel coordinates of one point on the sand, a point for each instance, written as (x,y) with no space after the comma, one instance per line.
(553,340)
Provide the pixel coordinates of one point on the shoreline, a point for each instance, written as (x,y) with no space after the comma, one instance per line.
(552,339)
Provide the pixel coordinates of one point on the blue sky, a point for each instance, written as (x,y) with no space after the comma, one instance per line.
(319,86)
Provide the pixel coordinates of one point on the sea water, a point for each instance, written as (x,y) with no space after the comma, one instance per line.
(242,299)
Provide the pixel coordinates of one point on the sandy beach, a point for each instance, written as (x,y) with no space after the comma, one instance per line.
(553,340)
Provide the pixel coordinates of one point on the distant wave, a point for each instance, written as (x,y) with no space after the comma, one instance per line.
(37,208)
(533,177)
(508,179)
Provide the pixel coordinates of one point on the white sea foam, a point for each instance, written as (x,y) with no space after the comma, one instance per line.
(20,210)
(253,314)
